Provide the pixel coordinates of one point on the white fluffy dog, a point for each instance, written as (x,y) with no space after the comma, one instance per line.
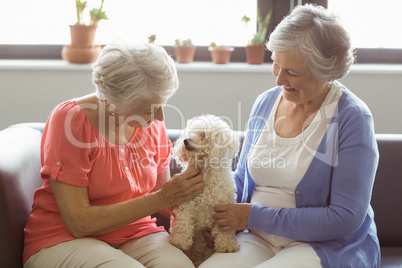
(208,144)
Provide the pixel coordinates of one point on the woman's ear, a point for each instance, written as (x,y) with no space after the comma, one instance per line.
(110,108)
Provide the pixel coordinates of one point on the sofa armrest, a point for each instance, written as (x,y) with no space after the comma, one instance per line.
(19,178)
(387,198)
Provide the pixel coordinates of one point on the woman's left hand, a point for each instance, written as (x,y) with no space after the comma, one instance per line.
(232,217)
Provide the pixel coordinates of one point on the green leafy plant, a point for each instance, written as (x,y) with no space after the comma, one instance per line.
(80,6)
(96,14)
(183,43)
(152,38)
(262,28)
(213,45)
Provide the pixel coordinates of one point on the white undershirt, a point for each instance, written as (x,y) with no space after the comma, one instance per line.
(278,164)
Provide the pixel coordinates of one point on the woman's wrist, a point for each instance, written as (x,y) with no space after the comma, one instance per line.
(162,197)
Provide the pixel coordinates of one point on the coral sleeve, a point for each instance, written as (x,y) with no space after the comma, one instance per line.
(66,146)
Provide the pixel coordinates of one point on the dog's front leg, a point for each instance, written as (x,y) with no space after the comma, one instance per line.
(182,228)
(224,241)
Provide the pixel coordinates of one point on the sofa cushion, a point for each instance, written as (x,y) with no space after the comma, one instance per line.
(391,257)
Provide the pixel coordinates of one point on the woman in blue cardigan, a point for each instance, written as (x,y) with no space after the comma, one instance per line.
(309,158)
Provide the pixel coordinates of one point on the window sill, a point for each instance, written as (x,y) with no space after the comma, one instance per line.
(235,67)
(55,65)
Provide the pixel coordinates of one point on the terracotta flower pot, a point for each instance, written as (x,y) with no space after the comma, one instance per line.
(255,54)
(82,49)
(221,55)
(184,54)
(82,35)
(80,54)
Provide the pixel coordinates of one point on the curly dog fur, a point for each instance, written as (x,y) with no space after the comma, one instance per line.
(209,145)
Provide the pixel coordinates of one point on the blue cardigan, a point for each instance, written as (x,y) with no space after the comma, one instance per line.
(333,212)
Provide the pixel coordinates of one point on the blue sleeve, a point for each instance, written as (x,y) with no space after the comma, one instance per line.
(335,197)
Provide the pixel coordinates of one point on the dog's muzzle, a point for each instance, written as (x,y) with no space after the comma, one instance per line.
(188,146)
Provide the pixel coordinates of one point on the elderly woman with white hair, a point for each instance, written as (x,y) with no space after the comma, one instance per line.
(105,160)
(309,158)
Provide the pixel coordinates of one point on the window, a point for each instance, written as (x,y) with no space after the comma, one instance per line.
(372,24)
(46,22)
(39,29)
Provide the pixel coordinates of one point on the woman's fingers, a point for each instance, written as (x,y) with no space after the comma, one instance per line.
(190,173)
(231,217)
(183,187)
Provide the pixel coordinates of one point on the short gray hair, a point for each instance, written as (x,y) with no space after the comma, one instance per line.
(126,73)
(320,36)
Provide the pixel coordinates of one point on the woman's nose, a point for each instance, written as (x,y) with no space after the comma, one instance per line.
(159,114)
(280,78)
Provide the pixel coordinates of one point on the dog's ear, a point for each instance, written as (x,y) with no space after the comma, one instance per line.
(223,143)
(203,136)
(201,140)
(178,153)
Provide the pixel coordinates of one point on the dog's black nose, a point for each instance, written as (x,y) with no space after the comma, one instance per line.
(185,142)
(187,145)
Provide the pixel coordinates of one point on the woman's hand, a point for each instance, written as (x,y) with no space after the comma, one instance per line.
(232,217)
(182,187)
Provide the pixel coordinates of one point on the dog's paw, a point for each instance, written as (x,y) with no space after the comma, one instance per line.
(227,247)
(226,243)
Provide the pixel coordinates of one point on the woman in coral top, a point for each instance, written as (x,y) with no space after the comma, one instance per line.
(105,161)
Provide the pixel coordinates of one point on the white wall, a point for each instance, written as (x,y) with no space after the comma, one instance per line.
(30,89)
(383,95)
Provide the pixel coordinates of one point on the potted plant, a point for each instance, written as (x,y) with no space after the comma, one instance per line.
(184,51)
(82,48)
(220,54)
(152,38)
(255,49)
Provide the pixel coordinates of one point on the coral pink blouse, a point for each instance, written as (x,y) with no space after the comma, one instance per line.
(74,152)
